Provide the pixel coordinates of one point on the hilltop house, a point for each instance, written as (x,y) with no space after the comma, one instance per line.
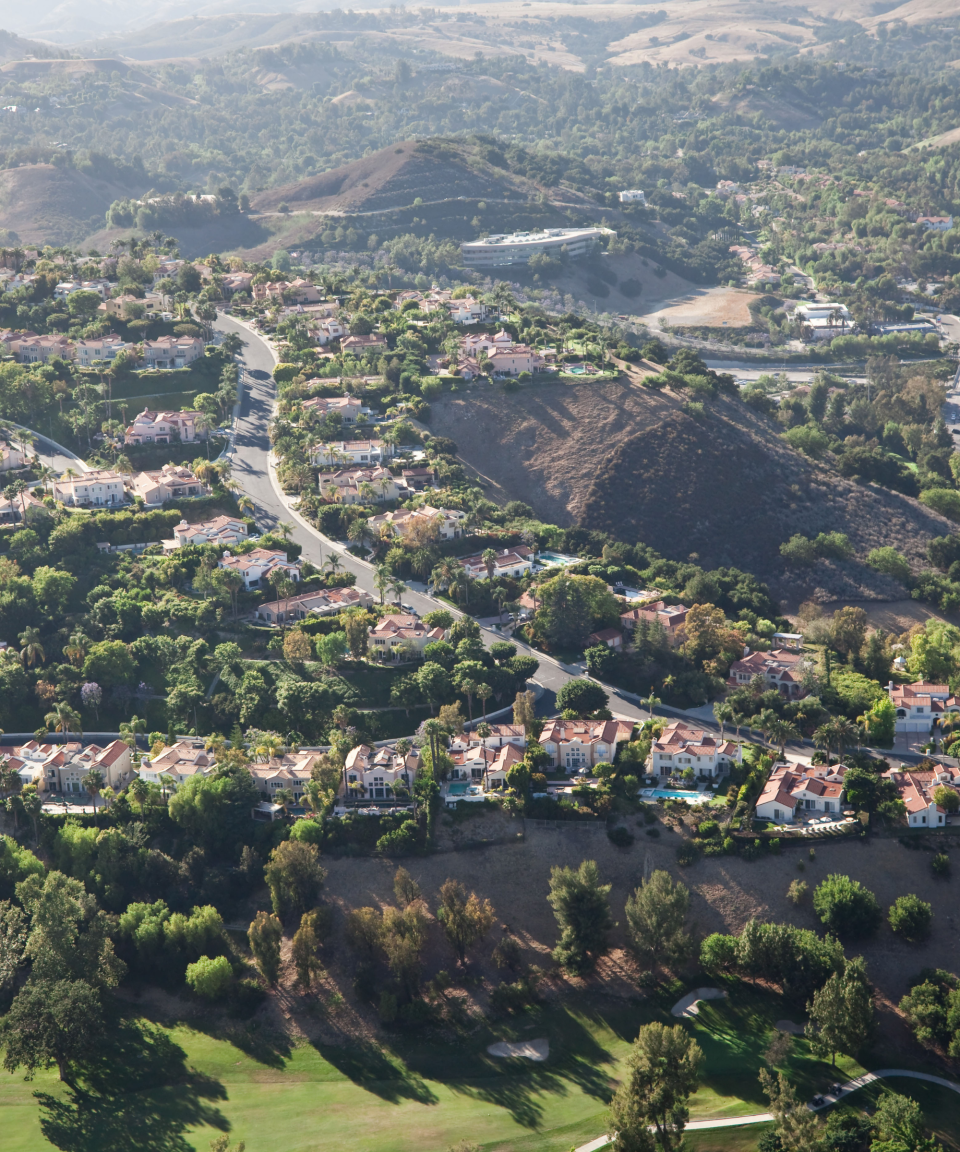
(916,790)
(671,616)
(175,764)
(375,342)
(172,351)
(219,530)
(351,452)
(349,408)
(374,773)
(508,562)
(344,485)
(255,567)
(162,428)
(10,456)
(793,789)
(481,764)
(40,349)
(681,746)
(513,360)
(93,489)
(919,704)
(322,602)
(101,348)
(171,482)
(780,669)
(292,771)
(62,767)
(575,744)
(392,634)
(448,522)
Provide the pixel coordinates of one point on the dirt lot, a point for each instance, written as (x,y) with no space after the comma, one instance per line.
(706,307)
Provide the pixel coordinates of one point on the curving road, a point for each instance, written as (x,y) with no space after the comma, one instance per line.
(252,472)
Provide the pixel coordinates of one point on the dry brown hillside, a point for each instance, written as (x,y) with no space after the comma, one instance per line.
(46,204)
(628,461)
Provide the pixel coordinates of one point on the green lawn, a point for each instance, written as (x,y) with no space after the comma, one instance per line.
(174,1089)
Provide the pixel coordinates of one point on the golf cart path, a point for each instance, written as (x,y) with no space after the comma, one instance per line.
(766,1117)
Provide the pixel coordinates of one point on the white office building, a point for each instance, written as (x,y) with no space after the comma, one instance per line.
(632,196)
(518,247)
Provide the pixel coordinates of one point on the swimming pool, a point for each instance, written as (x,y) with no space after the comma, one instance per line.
(457,789)
(556,558)
(675,794)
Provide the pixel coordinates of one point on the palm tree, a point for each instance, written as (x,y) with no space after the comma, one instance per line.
(32,803)
(130,729)
(489,558)
(286,528)
(76,650)
(652,702)
(140,790)
(381,581)
(483,694)
(484,731)
(245,503)
(93,782)
(283,797)
(333,562)
(823,738)
(397,587)
(779,731)
(63,718)
(30,647)
(724,715)
(844,733)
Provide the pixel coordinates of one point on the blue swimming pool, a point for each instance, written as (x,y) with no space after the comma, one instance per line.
(674,794)
(457,789)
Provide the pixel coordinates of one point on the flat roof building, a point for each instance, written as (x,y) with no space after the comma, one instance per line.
(518,247)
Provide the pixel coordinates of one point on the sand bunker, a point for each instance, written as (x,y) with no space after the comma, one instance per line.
(537,1050)
(689,1005)
(789,1026)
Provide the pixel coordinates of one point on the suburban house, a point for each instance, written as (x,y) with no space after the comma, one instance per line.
(466,311)
(93,489)
(574,744)
(823,320)
(171,482)
(10,341)
(172,351)
(324,331)
(62,767)
(255,567)
(292,771)
(175,764)
(391,634)
(671,616)
(220,530)
(681,746)
(416,479)
(513,360)
(500,734)
(322,602)
(476,342)
(374,772)
(484,765)
(359,485)
(40,349)
(10,456)
(12,507)
(350,452)
(919,704)
(162,428)
(610,637)
(509,562)
(780,669)
(101,348)
(125,307)
(449,523)
(232,283)
(793,790)
(349,408)
(935,223)
(67,288)
(916,791)
(375,342)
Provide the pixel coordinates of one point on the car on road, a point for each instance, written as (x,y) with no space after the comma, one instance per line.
(410,608)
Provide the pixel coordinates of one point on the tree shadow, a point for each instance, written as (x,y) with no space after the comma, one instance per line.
(371,1069)
(265,1045)
(137,1095)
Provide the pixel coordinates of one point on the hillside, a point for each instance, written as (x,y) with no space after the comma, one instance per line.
(392,178)
(49,204)
(630,462)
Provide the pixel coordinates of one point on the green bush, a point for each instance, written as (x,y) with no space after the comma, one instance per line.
(402,841)
(846,907)
(911,917)
(946,501)
(210,977)
(687,854)
(620,836)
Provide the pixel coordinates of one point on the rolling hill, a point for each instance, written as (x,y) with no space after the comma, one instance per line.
(726,487)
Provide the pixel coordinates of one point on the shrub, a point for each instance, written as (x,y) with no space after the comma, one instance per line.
(709,830)
(946,501)
(210,978)
(401,841)
(846,907)
(620,836)
(654,832)
(889,561)
(940,864)
(687,854)
(797,892)
(911,917)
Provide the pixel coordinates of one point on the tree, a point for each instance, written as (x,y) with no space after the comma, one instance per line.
(294,876)
(880,723)
(911,917)
(31,650)
(297,648)
(582,697)
(465,919)
(794,1123)
(946,798)
(655,917)
(93,783)
(405,888)
(524,709)
(210,977)
(110,663)
(849,630)
(265,934)
(898,1126)
(357,629)
(140,790)
(841,1012)
(306,941)
(581,905)
(662,1071)
(63,718)
(51,1022)
(846,907)
(779,731)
